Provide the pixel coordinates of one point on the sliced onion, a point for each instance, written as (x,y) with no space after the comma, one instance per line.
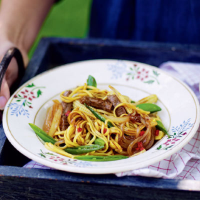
(143,121)
(59,142)
(138,131)
(118,119)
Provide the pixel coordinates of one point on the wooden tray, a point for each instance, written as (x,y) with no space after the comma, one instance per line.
(17,182)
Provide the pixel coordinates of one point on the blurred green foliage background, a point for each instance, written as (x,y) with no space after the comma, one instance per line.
(67,18)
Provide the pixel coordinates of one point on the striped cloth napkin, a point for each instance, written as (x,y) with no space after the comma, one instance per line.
(185,164)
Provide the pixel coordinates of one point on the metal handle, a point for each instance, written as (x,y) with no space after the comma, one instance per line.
(12,52)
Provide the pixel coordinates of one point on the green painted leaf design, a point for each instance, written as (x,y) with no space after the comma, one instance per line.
(128,73)
(168,147)
(19,95)
(132,77)
(159,147)
(24,104)
(131,68)
(149,82)
(30,85)
(39,92)
(18,100)
(29,102)
(156,73)
(50,154)
(42,155)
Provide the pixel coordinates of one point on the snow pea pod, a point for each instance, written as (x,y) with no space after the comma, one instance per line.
(100,158)
(98,116)
(161,127)
(83,149)
(91,81)
(42,134)
(149,107)
(99,143)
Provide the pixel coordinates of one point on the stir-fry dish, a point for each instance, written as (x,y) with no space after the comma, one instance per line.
(100,125)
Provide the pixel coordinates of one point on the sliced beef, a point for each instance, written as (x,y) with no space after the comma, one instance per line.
(67,93)
(97,103)
(115,101)
(66,107)
(135,118)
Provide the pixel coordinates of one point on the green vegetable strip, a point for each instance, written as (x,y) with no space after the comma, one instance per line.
(84,149)
(161,127)
(99,143)
(132,101)
(91,81)
(98,116)
(100,158)
(149,107)
(43,135)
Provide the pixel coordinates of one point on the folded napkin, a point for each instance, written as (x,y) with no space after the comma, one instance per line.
(185,164)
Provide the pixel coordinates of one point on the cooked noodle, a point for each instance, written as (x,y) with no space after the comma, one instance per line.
(132,133)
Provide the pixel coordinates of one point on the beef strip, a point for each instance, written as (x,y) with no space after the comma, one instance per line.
(135,118)
(66,107)
(115,101)
(97,103)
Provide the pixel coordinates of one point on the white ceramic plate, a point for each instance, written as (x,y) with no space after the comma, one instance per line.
(180,111)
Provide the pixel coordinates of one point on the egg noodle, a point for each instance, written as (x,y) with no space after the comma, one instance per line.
(131,133)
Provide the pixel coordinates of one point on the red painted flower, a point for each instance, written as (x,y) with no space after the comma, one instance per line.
(143,74)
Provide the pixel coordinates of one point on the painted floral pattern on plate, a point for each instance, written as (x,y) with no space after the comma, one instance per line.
(68,161)
(134,72)
(23,100)
(178,133)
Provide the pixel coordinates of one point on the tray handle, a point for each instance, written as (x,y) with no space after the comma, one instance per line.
(12,52)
